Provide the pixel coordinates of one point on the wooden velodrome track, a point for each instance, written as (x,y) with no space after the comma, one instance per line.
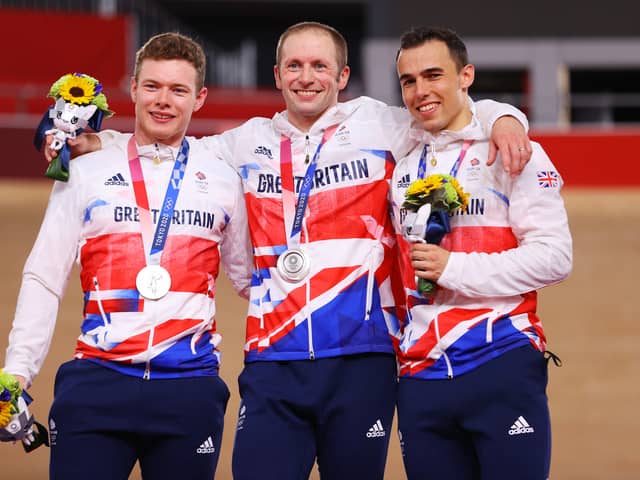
(592,321)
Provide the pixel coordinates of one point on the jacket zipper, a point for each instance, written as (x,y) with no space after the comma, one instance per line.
(147,367)
(369,297)
(99,301)
(312,353)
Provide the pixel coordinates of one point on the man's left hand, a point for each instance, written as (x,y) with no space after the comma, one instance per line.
(22,427)
(428,260)
(508,136)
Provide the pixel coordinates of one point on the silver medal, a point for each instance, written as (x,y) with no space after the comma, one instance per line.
(293,265)
(153,282)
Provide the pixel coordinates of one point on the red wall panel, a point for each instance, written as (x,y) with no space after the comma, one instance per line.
(595,158)
(41,46)
(585,159)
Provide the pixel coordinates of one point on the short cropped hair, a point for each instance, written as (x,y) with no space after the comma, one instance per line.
(173,46)
(420,35)
(337,38)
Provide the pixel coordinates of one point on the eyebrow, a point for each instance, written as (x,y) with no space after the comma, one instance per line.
(161,82)
(422,73)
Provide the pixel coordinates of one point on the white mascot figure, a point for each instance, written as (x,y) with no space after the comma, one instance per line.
(68,118)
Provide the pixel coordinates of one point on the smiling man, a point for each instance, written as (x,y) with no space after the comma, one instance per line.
(147,219)
(473,364)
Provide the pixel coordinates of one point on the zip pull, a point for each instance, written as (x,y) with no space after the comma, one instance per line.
(549,355)
(307,148)
(156,155)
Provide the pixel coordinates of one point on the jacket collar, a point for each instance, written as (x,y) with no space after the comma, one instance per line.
(332,116)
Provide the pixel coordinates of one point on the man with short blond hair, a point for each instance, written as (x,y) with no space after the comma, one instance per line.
(149,219)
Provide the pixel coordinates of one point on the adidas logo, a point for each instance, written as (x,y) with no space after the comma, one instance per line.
(405,181)
(262,150)
(520,426)
(117,180)
(343,135)
(206,447)
(377,430)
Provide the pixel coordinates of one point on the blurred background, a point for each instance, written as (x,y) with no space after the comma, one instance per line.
(572,67)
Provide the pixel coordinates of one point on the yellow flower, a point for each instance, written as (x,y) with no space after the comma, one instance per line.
(416,187)
(5,414)
(433,182)
(440,190)
(463,197)
(423,186)
(77,89)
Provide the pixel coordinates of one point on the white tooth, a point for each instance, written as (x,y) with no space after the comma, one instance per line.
(427,108)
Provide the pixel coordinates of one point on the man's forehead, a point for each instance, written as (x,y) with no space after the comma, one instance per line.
(310,43)
(163,74)
(429,55)
(176,67)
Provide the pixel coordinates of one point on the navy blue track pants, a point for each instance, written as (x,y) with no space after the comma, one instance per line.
(336,410)
(489,424)
(102,421)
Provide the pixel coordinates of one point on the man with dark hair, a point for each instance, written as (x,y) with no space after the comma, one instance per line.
(144,384)
(473,367)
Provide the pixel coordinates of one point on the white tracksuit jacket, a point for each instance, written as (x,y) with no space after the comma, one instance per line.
(93,220)
(512,239)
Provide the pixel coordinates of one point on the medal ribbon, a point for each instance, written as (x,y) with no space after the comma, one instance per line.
(422,164)
(294,212)
(155,245)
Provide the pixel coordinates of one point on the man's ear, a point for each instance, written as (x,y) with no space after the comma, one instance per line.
(467,75)
(200,98)
(276,76)
(133,89)
(343,78)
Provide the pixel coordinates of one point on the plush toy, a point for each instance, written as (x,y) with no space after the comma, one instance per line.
(16,422)
(79,103)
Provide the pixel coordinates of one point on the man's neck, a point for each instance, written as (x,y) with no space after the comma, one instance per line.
(145,139)
(302,123)
(459,122)
(305,123)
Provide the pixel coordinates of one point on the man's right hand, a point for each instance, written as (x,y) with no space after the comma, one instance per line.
(83,143)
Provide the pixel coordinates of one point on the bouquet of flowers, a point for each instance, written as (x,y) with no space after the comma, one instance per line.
(10,391)
(16,422)
(431,200)
(79,102)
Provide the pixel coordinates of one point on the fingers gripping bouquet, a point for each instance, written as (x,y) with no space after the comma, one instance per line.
(16,422)
(79,103)
(429,202)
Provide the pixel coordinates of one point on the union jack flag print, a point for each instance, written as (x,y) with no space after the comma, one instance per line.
(548,179)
